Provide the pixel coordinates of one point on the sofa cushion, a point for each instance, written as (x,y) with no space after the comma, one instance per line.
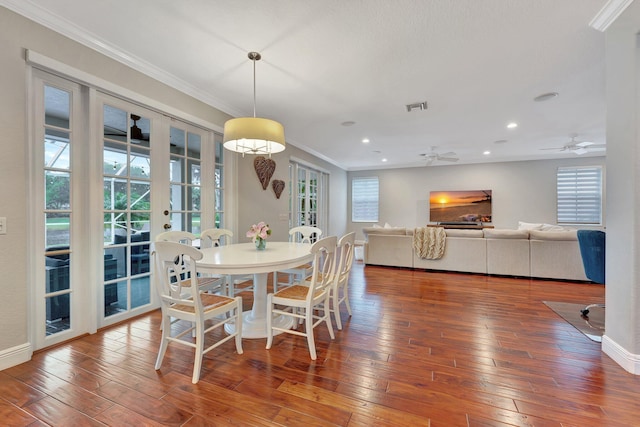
(540,226)
(492,233)
(395,231)
(553,235)
(455,232)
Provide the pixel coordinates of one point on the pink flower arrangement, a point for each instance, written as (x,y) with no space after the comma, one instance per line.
(259,231)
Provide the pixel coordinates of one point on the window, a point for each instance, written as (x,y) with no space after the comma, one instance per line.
(364,199)
(579,191)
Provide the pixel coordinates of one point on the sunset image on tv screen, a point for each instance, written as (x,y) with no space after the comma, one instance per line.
(460,206)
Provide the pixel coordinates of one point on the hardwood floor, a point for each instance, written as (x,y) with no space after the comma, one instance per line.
(421,349)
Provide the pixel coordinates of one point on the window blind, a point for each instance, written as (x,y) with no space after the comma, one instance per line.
(579,195)
(364,199)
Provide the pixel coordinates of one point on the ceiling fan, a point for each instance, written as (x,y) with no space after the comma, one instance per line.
(579,148)
(432,156)
(135,133)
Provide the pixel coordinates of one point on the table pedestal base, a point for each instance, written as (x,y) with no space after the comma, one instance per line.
(257,328)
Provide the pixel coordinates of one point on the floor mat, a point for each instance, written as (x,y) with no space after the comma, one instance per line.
(593,327)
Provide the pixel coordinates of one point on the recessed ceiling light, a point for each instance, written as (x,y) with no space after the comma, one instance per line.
(512,125)
(384,159)
(545,96)
(486,153)
(366,141)
(348,123)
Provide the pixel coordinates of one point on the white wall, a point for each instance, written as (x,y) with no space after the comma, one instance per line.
(256,204)
(521,191)
(622,338)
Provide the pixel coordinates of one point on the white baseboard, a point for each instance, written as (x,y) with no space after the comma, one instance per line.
(629,361)
(15,355)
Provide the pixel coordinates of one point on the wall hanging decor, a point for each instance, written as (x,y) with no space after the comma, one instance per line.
(264,168)
(278,186)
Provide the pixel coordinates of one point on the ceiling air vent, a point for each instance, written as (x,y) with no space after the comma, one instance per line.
(419,105)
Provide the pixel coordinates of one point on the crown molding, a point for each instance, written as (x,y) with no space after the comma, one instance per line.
(62,26)
(608,14)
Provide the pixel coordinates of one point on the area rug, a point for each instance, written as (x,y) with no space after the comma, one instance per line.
(592,328)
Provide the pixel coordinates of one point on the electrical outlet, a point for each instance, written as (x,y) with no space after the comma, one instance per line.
(3,225)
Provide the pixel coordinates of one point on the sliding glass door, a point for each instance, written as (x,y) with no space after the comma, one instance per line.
(107,176)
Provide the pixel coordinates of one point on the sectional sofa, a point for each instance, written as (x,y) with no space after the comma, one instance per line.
(524,253)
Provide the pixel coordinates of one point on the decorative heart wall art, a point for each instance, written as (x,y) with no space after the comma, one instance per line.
(264,168)
(278,186)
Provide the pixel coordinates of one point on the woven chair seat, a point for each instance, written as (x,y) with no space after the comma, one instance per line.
(296,292)
(209,302)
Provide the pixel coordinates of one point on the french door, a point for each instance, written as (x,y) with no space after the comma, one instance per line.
(308,197)
(108,175)
(131,137)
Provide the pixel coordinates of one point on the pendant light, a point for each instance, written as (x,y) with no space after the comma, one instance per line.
(253,135)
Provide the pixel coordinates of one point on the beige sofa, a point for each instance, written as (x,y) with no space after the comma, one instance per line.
(524,253)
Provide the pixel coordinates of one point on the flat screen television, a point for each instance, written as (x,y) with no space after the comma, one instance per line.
(460,207)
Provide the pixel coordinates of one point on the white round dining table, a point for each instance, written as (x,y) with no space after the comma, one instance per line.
(244,258)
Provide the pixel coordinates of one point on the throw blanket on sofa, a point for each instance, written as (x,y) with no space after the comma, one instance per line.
(428,242)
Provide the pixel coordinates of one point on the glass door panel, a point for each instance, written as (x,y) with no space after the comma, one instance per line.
(127,188)
(57,146)
(307,196)
(185,212)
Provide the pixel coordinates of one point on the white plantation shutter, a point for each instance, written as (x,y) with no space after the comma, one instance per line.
(579,192)
(364,200)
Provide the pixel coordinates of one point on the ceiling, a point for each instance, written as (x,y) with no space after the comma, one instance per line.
(478,65)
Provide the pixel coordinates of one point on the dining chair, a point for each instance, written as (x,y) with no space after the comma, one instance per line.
(299,300)
(177,236)
(213,283)
(340,285)
(214,237)
(302,234)
(178,265)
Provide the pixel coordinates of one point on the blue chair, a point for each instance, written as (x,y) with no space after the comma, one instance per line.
(592,251)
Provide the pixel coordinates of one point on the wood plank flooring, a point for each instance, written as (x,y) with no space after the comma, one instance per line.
(421,349)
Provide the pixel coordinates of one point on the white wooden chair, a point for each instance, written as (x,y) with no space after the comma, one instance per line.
(183,237)
(303,234)
(299,301)
(178,265)
(340,284)
(213,283)
(214,237)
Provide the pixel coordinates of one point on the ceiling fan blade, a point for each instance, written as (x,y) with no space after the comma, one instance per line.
(584,144)
(447,154)
(580,151)
(448,159)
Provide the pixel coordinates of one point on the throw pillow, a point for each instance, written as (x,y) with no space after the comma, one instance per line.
(529,225)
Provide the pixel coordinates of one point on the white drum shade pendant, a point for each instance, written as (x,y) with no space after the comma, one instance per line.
(254,135)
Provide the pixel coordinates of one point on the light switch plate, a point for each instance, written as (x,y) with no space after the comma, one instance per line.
(3,225)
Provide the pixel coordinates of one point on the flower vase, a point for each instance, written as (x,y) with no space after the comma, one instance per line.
(261,244)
